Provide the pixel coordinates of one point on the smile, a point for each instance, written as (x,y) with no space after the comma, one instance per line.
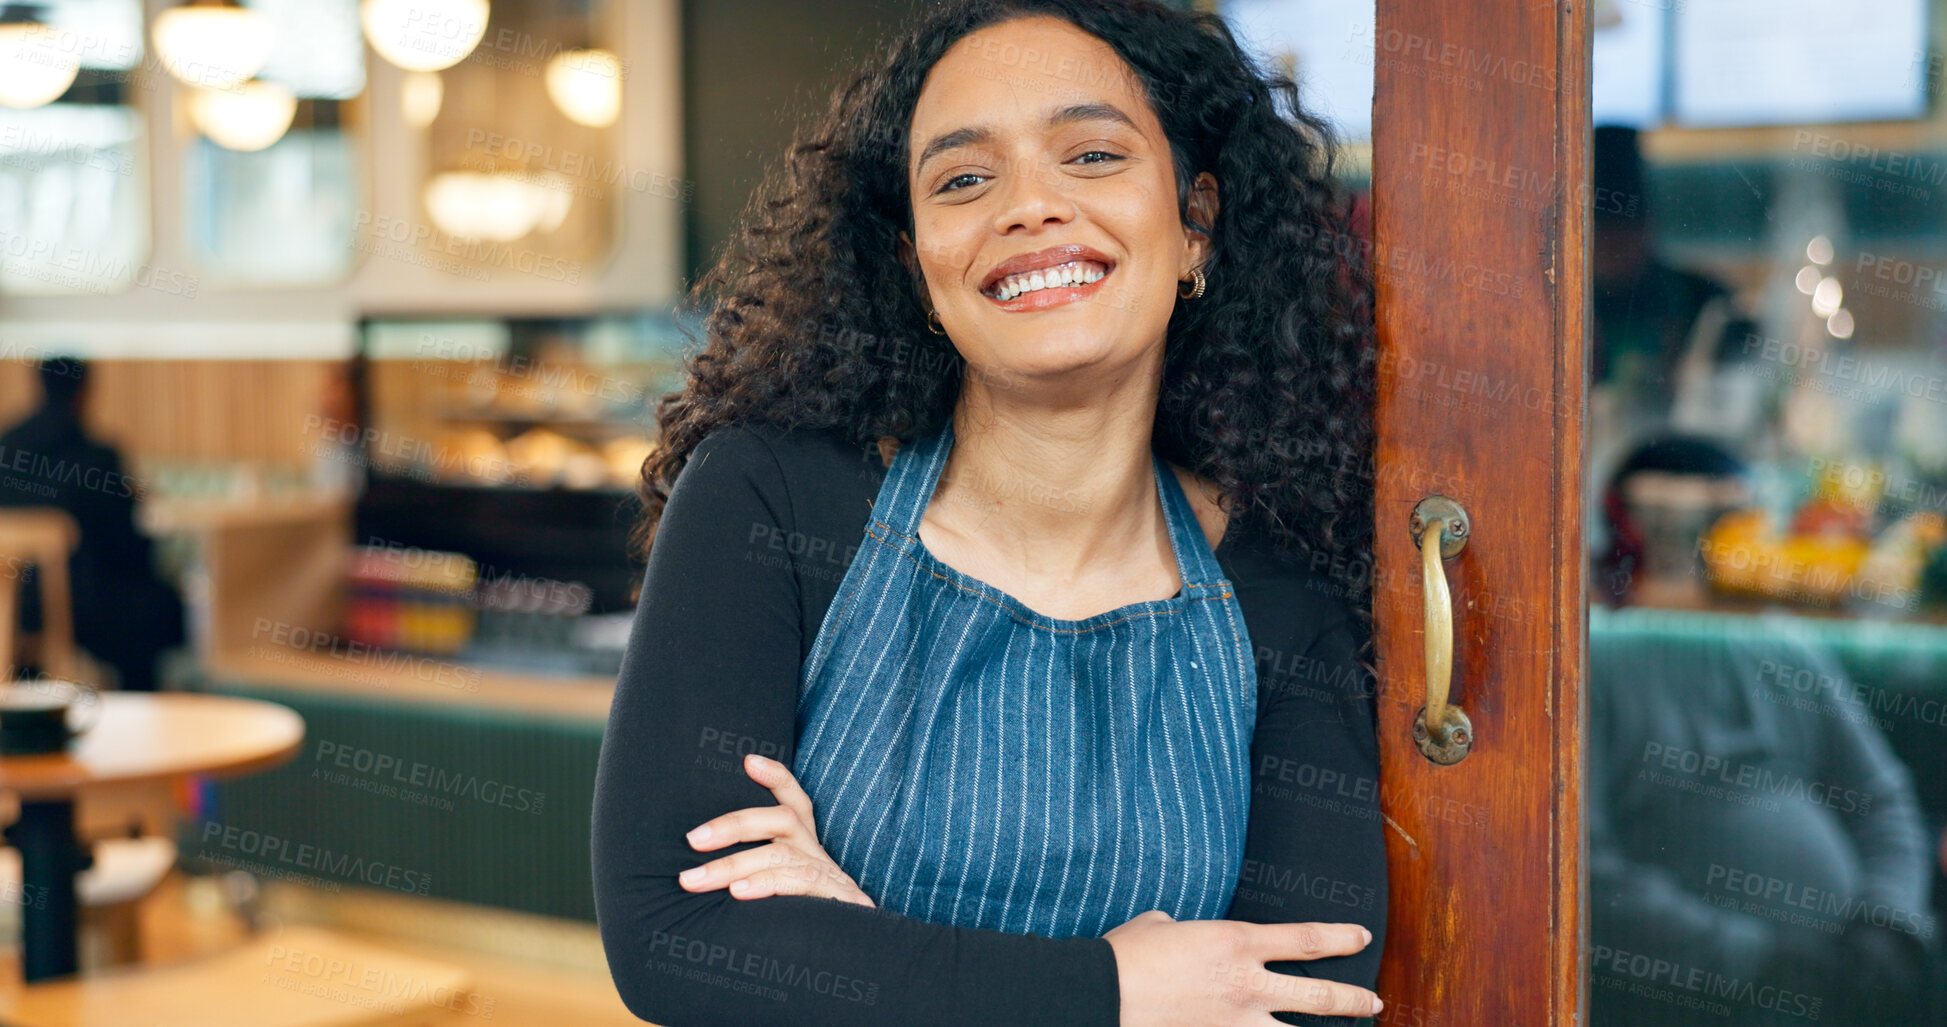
(1070,276)
(1046,278)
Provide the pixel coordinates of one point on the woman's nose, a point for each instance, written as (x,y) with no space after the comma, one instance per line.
(1033,196)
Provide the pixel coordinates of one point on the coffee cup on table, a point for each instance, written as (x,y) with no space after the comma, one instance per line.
(44,716)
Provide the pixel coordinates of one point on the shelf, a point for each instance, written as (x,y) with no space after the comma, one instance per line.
(170,514)
(509,417)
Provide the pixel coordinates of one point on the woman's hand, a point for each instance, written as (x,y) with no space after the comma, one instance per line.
(793,864)
(1210,973)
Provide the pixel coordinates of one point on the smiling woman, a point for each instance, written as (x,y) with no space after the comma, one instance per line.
(1035,396)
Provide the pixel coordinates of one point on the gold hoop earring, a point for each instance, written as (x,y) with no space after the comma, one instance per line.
(933,323)
(1196,283)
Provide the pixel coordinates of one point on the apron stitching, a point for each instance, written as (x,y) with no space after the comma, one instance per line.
(882,540)
(888,543)
(1003,607)
(818,654)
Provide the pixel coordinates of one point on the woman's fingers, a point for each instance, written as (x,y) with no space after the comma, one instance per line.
(794,863)
(783,784)
(790,819)
(718,873)
(1308,941)
(774,869)
(1253,985)
(1298,994)
(815,878)
(1213,971)
(740,866)
(1288,993)
(754,824)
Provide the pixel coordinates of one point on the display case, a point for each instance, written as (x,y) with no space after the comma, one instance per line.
(516,444)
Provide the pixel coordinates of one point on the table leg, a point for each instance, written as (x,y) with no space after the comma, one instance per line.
(50,856)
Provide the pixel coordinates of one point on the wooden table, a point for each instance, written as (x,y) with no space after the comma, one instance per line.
(139,737)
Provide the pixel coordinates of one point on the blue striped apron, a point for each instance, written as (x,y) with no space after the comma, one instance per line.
(974,762)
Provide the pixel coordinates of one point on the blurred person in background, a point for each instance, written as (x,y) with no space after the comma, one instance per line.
(1769,855)
(1667,345)
(1661,334)
(124,615)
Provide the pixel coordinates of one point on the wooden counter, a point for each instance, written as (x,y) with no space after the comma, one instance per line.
(276,590)
(407,677)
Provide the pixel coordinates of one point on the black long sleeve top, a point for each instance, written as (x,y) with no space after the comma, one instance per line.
(758,532)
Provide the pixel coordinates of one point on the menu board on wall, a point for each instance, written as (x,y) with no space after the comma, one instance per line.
(1325,45)
(1773,62)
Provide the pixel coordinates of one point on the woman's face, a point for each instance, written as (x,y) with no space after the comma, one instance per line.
(1044,203)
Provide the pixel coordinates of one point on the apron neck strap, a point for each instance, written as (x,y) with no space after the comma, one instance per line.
(916,470)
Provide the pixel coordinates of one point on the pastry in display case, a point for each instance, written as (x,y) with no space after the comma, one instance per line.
(517,443)
(535,403)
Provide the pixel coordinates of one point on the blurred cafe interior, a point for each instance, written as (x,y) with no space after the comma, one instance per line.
(331,334)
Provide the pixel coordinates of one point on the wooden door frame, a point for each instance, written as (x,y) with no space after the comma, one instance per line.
(1480,188)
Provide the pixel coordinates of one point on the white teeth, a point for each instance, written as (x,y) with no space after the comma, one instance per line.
(1062,276)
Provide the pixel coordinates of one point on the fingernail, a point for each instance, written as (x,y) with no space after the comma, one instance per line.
(1368,935)
(740,887)
(691,876)
(1377,1005)
(758,761)
(700,835)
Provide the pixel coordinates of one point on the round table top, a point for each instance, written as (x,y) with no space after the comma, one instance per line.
(148,736)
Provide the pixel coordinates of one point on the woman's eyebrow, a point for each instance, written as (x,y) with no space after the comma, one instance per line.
(951,141)
(1090,112)
(1066,115)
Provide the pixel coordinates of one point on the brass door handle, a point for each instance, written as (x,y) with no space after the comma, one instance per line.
(1441,729)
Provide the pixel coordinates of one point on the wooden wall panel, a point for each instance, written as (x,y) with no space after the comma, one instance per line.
(193,410)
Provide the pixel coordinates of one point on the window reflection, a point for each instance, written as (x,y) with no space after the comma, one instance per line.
(280,216)
(74,208)
(1768,514)
(270,179)
(521,158)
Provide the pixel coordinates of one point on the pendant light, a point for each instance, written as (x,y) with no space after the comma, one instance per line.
(587,86)
(35,69)
(497,206)
(211,44)
(424,35)
(247,117)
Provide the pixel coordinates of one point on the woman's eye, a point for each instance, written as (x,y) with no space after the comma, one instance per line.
(959,182)
(1104,155)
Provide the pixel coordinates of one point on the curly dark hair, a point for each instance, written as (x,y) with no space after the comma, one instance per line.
(814,321)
